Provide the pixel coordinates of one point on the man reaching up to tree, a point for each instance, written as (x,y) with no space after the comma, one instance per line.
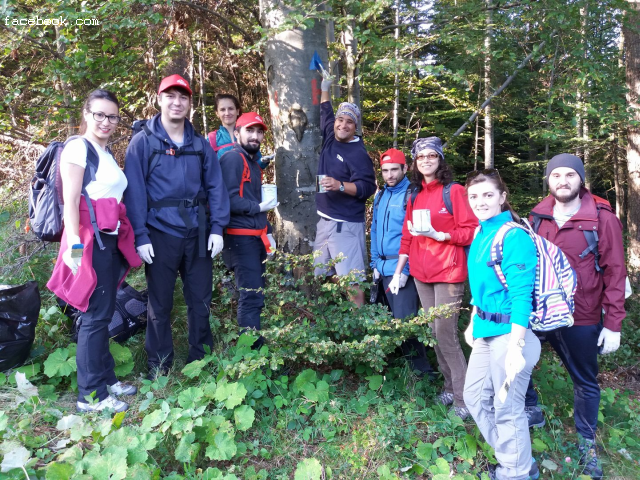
(349,180)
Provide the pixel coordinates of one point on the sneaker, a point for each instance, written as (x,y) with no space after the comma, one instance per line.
(445,398)
(589,458)
(534,471)
(534,416)
(120,388)
(109,403)
(462,412)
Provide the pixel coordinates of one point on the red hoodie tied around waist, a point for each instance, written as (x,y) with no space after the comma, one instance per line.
(77,289)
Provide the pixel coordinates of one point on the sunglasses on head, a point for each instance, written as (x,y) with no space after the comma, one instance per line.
(487,172)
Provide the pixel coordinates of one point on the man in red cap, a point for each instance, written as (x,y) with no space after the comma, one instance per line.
(173,173)
(389,207)
(248,236)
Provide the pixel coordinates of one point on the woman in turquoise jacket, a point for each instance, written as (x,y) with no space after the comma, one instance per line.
(505,350)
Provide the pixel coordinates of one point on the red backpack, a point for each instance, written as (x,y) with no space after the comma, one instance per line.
(214,143)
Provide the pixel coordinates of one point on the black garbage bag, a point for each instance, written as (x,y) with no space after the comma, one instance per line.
(19,311)
(129,318)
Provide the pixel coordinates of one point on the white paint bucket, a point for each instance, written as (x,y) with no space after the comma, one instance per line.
(269,191)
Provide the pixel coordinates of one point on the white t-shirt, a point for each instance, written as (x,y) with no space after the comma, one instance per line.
(110,180)
(562,218)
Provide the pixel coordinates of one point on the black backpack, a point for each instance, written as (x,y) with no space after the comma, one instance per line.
(46,203)
(129,317)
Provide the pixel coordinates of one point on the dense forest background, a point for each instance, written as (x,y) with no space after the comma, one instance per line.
(329,397)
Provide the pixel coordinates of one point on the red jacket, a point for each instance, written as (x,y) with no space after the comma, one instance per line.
(596,291)
(431,261)
(77,289)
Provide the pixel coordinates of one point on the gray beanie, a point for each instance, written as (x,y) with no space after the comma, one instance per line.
(566,160)
(433,143)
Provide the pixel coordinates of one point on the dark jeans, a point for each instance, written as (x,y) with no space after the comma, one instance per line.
(173,256)
(245,255)
(406,304)
(577,348)
(94,361)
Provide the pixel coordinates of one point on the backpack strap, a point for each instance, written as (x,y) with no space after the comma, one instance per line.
(246,174)
(591,236)
(446,197)
(410,196)
(212,140)
(378,197)
(497,248)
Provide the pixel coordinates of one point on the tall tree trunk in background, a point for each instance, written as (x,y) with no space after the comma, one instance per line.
(488,119)
(294,99)
(334,65)
(582,122)
(203,95)
(72,126)
(351,53)
(618,179)
(632,55)
(396,90)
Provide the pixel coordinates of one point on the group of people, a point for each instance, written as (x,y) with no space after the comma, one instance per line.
(182,199)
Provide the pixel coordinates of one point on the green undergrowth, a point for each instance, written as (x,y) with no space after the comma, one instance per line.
(328,396)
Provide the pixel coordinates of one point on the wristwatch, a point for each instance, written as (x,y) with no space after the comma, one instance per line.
(520,342)
(341,186)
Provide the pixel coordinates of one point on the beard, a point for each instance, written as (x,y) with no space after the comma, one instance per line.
(564,195)
(250,149)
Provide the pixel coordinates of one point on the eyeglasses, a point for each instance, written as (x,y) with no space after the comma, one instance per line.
(430,156)
(99,117)
(487,172)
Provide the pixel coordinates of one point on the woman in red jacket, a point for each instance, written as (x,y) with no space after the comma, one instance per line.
(93,261)
(437,259)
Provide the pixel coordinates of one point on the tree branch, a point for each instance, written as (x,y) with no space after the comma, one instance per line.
(27,37)
(215,14)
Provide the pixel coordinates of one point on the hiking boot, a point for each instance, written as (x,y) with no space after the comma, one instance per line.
(120,388)
(534,471)
(462,412)
(444,398)
(109,403)
(589,458)
(534,416)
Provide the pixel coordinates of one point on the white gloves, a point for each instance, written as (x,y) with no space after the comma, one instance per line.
(326,83)
(145,252)
(272,241)
(215,244)
(609,340)
(403,280)
(514,362)
(72,263)
(468,333)
(431,233)
(376,274)
(269,204)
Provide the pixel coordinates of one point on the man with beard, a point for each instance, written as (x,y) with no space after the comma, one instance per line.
(348,181)
(173,173)
(248,236)
(569,218)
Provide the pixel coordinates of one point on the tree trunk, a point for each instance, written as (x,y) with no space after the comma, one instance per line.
(294,99)
(351,51)
(396,92)
(203,96)
(72,126)
(488,119)
(582,122)
(632,54)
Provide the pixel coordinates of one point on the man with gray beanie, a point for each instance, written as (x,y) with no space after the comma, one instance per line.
(346,180)
(590,235)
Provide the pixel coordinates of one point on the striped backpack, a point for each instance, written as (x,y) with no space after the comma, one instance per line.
(555,283)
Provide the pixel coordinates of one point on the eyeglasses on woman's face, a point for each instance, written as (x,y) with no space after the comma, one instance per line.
(99,117)
(427,156)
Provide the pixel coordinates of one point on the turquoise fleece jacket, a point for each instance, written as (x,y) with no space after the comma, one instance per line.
(519,267)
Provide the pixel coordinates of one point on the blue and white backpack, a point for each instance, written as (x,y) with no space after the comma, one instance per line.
(555,283)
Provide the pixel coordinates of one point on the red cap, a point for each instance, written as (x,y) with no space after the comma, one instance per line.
(250,119)
(174,81)
(392,156)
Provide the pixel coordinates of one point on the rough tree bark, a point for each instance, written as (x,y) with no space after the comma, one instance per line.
(488,118)
(632,56)
(396,89)
(294,98)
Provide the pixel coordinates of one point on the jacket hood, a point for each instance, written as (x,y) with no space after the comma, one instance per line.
(158,131)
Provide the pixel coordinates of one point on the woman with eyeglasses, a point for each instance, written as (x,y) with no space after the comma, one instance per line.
(505,350)
(437,260)
(96,250)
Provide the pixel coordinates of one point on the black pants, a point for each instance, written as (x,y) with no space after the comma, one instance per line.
(94,361)
(245,255)
(175,256)
(406,304)
(577,347)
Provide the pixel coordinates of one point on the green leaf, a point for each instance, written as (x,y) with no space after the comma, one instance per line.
(59,363)
(4,216)
(441,467)
(308,469)
(193,369)
(467,447)
(190,397)
(152,420)
(424,451)
(375,381)
(111,465)
(230,393)
(305,377)
(538,445)
(123,358)
(59,471)
(244,416)
(186,450)
(222,448)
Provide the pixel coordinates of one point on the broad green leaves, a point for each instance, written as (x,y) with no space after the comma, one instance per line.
(308,469)
(59,363)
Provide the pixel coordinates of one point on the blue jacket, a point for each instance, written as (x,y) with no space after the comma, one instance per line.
(386,227)
(173,177)
(346,162)
(519,268)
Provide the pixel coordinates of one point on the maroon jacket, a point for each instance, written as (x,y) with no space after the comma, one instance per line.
(596,291)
